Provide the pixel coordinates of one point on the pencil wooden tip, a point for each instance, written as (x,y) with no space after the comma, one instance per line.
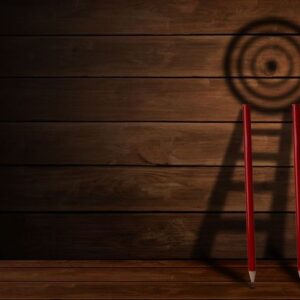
(299,273)
(252,275)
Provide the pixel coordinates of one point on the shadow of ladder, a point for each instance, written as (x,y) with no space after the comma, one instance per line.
(225,183)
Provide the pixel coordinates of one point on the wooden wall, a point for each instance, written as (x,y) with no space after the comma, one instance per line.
(120,138)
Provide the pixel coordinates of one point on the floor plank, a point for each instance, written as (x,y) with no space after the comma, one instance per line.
(132,263)
(132,279)
(215,272)
(146,290)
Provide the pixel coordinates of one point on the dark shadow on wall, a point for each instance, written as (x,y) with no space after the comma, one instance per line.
(262,68)
(262,65)
(217,200)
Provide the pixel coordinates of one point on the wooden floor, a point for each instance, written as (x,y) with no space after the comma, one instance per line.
(146,280)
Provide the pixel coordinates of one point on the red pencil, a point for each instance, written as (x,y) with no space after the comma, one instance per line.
(296,131)
(249,193)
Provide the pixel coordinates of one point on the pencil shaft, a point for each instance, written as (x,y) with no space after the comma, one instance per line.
(296,139)
(249,188)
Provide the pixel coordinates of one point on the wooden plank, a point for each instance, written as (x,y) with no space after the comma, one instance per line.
(138,17)
(146,290)
(126,274)
(126,99)
(142,143)
(117,56)
(135,275)
(142,236)
(197,189)
(112,56)
(117,263)
(210,273)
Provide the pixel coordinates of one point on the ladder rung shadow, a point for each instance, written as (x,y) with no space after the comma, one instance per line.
(267,132)
(259,186)
(261,156)
(235,225)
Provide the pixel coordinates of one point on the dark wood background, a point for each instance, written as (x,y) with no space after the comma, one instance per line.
(121,140)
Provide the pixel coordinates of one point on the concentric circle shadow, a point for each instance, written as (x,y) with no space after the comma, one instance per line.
(262,64)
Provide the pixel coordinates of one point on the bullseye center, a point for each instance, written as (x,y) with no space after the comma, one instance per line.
(271,66)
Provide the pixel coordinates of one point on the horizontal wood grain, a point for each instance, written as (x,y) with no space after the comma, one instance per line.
(112,56)
(146,290)
(51,279)
(134,263)
(142,236)
(209,272)
(123,99)
(137,274)
(134,139)
(142,143)
(138,17)
(115,56)
(198,189)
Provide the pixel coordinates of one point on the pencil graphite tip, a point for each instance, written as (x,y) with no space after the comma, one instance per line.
(252,275)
